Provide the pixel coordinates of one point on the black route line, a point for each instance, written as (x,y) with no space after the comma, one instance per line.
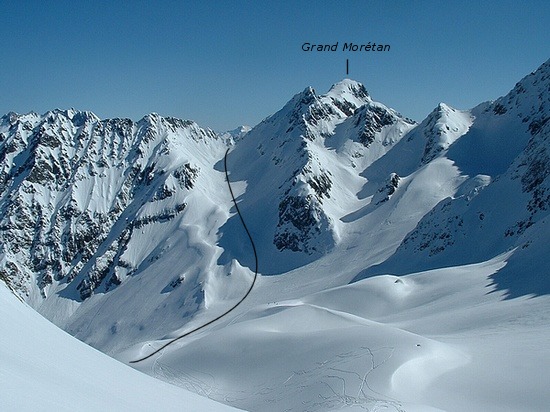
(240,301)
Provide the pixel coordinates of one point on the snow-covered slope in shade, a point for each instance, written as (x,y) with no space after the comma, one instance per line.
(45,369)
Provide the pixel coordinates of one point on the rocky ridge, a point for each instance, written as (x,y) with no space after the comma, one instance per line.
(74,188)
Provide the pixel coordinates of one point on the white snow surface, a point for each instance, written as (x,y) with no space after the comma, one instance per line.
(45,369)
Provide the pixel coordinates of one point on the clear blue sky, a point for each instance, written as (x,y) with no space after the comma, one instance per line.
(226,63)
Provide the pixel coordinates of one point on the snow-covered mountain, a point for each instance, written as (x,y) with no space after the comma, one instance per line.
(234,135)
(75,189)
(504,200)
(398,261)
(301,168)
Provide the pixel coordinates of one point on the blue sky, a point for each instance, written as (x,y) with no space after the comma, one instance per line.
(226,63)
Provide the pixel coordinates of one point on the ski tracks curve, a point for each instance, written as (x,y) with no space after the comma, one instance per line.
(245,295)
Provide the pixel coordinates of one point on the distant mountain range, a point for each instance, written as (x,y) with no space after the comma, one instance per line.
(124,233)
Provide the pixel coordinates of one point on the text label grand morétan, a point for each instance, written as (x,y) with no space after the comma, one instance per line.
(346,47)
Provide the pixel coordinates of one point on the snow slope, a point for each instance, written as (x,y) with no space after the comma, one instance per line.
(45,369)
(437,340)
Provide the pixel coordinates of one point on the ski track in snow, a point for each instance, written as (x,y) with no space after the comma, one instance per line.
(239,302)
(336,376)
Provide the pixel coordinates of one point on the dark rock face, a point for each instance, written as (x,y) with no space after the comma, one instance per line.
(321,185)
(534,171)
(389,189)
(533,166)
(374,119)
(300,220)
(433,135)
(301,217)
(499,109)
(186,176)
(436,231)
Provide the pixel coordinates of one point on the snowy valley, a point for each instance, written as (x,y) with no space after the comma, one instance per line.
(402,266)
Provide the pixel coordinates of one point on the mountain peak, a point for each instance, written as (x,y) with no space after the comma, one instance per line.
(528,99)
(77,117)
(443,107)
(236,134)
(151,118)
(347,85)
(350,93)
(350,90)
